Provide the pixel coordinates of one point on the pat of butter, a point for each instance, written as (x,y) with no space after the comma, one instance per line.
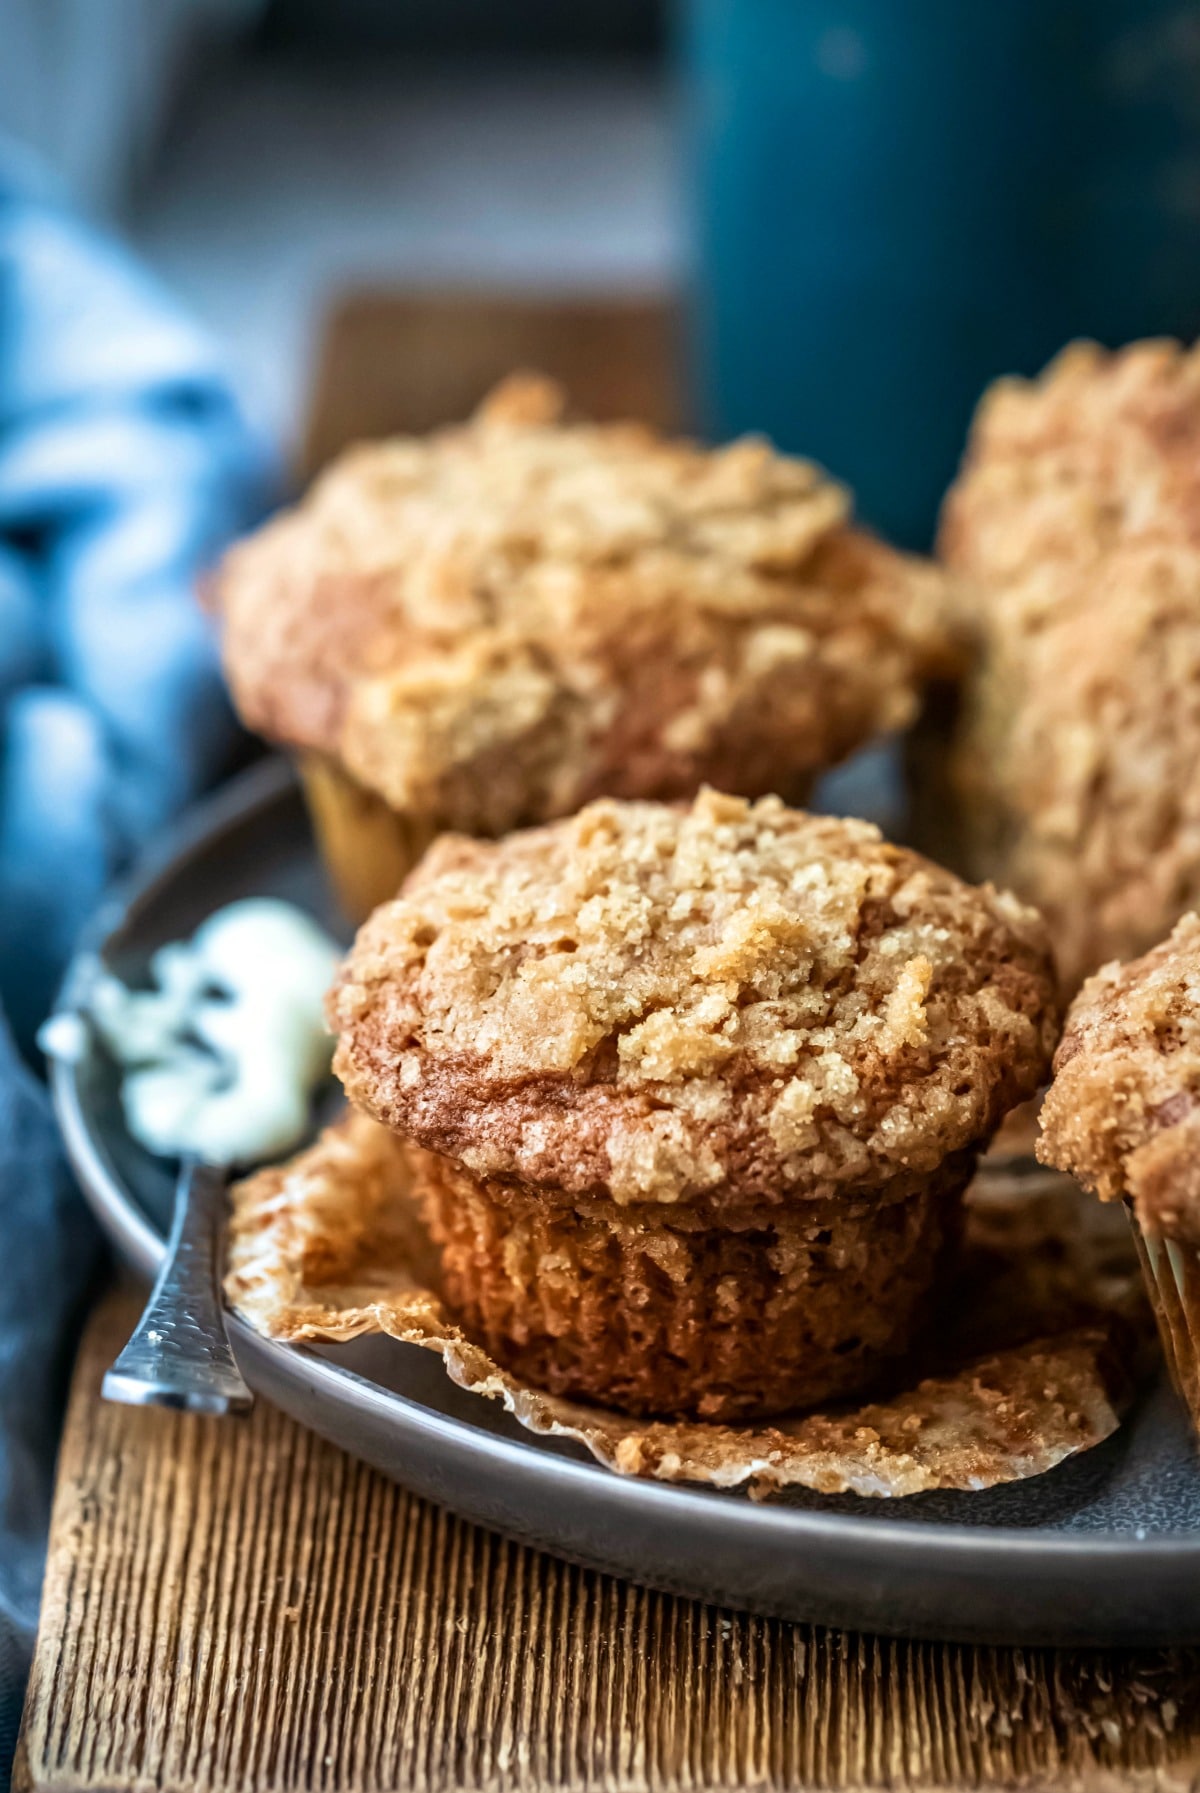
(221,1057)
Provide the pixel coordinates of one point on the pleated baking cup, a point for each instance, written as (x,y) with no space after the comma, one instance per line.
(368,847)
(1172,1273)
(1034,1356)
(664,1311)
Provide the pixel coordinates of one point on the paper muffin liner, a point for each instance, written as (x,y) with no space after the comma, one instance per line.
(1172,1274)
(368,847)
(663,1311)
(1033,1358)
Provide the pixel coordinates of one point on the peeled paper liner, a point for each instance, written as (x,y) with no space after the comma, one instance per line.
(1031,1360)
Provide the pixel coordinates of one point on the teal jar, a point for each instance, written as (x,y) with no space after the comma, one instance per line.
(894,201)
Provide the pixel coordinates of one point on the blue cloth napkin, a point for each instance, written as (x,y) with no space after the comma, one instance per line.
(125,463)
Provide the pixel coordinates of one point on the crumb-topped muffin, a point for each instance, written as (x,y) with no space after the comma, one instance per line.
(495,624)
(1123,1116)
(1074,533)
(1102,447)
(1123,1112)
(696,1090)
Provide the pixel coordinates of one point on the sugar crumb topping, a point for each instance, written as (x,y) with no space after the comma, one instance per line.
(1123,1111)
(498,621)
(1074,528)
(697,964)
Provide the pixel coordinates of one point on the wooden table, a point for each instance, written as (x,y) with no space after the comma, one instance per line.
(406,362)
(236,1605)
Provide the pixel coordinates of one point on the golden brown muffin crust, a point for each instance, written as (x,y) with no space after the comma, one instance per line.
(1123,1111)
(501,621)
(1078,771)
(1100,448)
(712,1004)
(1074,529)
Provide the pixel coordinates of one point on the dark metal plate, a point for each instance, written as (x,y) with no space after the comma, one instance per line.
(1104,1550)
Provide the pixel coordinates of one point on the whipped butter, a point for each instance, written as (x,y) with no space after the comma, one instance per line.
(221,1056)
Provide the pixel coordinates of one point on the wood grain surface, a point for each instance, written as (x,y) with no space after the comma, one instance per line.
(236,1605)
(407,362)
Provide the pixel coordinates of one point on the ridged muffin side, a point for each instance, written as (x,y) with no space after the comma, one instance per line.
(763,1312)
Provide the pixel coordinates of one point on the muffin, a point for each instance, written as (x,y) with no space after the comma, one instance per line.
(692,1093)
(494,625)
(1123,1116)
(1074,535)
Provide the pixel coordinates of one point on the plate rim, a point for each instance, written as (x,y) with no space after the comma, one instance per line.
(991,1547)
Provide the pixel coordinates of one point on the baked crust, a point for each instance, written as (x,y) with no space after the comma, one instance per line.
(1074,530)
(497,623)
(1123,1111)
(1101,447)
(714,1004)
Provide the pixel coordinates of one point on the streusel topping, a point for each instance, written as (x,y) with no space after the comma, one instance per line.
(500,621)
(1102,448)
(657,1003)
(1074,529)
(1123,1112)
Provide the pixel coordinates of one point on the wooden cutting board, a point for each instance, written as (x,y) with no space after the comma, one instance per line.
(234,1605)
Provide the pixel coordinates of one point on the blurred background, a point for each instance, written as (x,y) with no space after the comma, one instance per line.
(267,159)
(866,210)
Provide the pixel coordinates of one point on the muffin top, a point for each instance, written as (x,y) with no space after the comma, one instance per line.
(1102,448)
(720,1003)
(496,623)
(1074,532)
(1123,1111)
(1085,732)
